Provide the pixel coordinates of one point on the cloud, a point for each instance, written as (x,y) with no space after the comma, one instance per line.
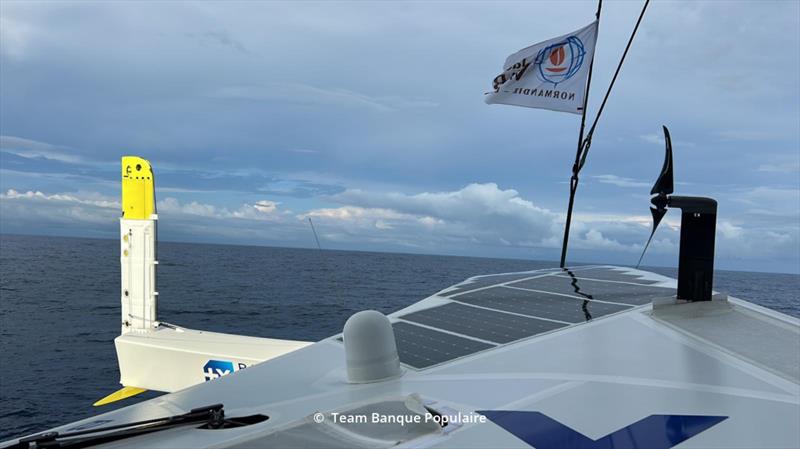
(477,214)
(305,94)
(34,149)
(219,37)
(735,242)
(749,135)
(729,230)
(385,99)
(261,210)
(91,206)
(769,201)
(485,205)
(781,164)
(656,138)
(14,37)
(621,182)
(297,188)
(38,159)
(89,200)
(77,213)
(266,206)
(789,167)
(477,218)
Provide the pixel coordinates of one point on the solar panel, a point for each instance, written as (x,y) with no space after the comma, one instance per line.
(505,314)
(599,290)
(421,347)
(480,323)
(542,305)
(486,281)
(608,274)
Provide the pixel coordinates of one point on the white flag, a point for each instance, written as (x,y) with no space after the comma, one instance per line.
(548,75)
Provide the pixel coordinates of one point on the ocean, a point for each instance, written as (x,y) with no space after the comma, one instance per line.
(60,299)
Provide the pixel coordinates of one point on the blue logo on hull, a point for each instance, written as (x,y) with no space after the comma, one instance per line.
(214,369)
(652,432)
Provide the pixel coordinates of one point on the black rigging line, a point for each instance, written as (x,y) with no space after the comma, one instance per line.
(330,273)
(587,142)
(573,181)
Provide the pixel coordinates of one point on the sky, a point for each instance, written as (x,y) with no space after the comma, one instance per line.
(369,118)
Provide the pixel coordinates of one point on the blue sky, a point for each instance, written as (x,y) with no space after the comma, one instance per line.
(369,118)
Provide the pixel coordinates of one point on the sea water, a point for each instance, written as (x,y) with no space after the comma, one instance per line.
(60,300)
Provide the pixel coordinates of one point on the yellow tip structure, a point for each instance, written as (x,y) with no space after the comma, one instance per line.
(138,192)
(119,395)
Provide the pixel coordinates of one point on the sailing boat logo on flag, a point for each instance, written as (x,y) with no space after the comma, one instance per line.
(561,61)
(548,75)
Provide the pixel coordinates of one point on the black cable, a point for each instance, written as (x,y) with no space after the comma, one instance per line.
(212,415)
(587,142)
(573,181)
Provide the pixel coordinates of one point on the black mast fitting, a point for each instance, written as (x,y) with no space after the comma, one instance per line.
(696,253)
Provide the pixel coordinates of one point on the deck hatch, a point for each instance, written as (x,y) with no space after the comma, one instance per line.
(421,347)
(481,323)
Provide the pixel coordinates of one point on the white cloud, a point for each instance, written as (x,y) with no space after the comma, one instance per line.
(656,138)
(729,230)
(781,164)
(621,182)
(477,214)
(311,95)
(260,210)
(471,203)
(15,36)
(93,207)
(266,206)
(354,213)
(769,201)
(19,143)
(31,210)
(789,167)
(472,219)
(171,205)
(88,199)
(32,149)
(748,135)
(219,37)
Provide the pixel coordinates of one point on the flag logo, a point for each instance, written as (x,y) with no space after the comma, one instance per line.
(560,61)
(557,58)
(552,74)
